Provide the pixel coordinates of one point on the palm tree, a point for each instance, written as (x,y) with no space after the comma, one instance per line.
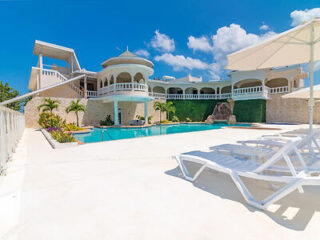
(170,108)
(76,108)
(160,106)
(48,105)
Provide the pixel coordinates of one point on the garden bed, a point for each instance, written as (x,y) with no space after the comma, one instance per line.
(54,143)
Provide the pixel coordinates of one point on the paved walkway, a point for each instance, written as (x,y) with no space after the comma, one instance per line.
(131,189)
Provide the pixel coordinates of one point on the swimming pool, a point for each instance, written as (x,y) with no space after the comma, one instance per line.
(109,134)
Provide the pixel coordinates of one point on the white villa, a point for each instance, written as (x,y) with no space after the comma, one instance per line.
(124,87)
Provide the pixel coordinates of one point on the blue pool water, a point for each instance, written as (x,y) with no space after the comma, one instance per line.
(109,134)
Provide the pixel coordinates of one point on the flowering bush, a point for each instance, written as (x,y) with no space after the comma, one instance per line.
(47,120)
(72,127)
(51,129)
(62,137)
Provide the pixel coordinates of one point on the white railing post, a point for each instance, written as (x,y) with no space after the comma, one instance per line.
(11,129)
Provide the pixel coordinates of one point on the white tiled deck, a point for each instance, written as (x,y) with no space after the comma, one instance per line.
(131,189)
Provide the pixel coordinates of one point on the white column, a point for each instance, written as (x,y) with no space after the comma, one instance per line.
(85,86)
(116,113)
(231,90)
(146,112)
(311,101)
(132,82)
(289,84)
(41,67)
(71,64)
(114,83)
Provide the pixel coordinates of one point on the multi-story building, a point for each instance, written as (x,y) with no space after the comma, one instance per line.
(124,87)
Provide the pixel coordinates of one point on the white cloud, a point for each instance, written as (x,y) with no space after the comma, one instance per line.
(229,39)
(162,42)
(301,16)
(179,62)
(142,53)
(201,44)
(264,27)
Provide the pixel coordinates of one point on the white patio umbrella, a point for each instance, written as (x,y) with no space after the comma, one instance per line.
(304,93)
(298,45)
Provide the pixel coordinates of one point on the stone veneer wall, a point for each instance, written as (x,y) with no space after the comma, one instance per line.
(290,110)
(95,111)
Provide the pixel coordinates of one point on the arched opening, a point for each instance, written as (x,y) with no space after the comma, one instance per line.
(101,83)
(106,82)
(175,90)
(158,89)
(124,77)
(277,82)
(149,89)
(226,89)
(111,80)
(138,78)
(248,83)
(207,90)
(191,90)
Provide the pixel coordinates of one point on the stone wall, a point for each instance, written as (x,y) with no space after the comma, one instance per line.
(290,110)
(95,111)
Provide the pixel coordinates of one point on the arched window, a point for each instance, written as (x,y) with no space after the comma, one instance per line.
(207,90)
(138,78)
(158,89)
(191,90)
(175,90)
(124,77)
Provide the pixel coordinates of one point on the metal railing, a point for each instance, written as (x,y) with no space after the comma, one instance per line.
(12,124)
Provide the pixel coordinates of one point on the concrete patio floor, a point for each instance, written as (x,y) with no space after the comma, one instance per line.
(132,189)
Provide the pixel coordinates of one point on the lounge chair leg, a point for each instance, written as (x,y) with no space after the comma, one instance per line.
(282,192)
(185,171)
(245,192)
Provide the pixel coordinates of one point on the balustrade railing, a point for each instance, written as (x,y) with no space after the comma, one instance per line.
(11,128)
(279,90)
(118,87)
(248,90)
(92,93)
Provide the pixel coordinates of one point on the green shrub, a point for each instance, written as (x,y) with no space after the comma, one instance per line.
(250,110)
(62,137)
(164,122)
(107,122)
(142,118)
(49,120)
(188,119)
(175,119)
(72,127)
(196,110)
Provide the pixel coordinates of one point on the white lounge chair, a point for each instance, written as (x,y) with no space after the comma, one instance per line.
(253,153)
(237,168)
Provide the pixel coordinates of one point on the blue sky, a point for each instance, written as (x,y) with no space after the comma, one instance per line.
(180,37)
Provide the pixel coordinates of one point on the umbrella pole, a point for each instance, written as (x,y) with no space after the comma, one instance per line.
(311,102)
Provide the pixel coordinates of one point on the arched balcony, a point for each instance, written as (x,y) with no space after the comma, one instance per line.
(175,93)
(158,92)
(277,85)
(249,89)
(124,83)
